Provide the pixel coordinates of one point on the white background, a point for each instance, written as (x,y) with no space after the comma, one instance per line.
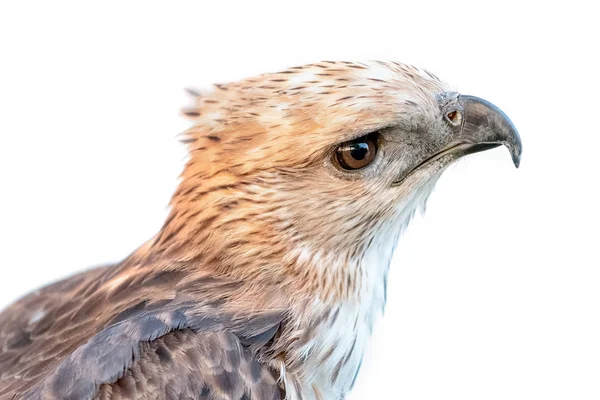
(494,294)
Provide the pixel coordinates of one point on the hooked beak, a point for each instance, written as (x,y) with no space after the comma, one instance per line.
(482,126)
(485,126)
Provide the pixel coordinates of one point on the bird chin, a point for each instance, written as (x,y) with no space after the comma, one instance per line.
(436,162)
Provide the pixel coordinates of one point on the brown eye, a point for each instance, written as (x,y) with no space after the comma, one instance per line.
(357,153)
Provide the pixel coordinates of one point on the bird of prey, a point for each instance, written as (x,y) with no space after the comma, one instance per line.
(268,274)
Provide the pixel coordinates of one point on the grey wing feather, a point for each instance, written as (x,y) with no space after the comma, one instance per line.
(159,349)
(201,366)
(214,356)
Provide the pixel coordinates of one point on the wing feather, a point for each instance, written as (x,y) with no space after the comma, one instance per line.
(201,366)
(71,340)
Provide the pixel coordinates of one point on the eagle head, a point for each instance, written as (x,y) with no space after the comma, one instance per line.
(295,176)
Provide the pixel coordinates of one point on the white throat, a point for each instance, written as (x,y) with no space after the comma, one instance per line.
(332,360)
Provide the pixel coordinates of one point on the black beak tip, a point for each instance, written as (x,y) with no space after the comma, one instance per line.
(516,157)
(513,141)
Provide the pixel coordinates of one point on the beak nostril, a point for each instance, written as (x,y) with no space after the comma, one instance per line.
(454,117)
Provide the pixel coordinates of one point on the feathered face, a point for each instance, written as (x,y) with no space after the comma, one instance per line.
(324,156)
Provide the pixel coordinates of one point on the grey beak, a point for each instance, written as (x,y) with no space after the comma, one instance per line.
(487,126)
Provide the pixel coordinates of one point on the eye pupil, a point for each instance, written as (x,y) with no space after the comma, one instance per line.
(357,153)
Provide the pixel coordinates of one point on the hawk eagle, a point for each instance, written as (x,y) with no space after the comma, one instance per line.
(270,270)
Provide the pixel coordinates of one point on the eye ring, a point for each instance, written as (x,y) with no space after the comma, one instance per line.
(357,153)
